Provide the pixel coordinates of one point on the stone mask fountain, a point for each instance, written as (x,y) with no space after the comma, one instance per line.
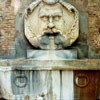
(50,26)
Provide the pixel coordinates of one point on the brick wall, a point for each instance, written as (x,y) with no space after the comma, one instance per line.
(89,24)
(94,27)
(91,8)
(6,28)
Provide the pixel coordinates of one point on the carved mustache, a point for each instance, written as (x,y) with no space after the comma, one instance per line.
(49,30)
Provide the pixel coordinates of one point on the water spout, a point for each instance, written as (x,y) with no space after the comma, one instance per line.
(51,43)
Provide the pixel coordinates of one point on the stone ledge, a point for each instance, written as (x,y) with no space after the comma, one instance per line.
(26,64)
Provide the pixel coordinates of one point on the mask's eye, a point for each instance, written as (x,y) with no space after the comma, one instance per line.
(45,18)
(57,18)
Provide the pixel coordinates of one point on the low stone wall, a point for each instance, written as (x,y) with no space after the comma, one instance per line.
(51,64)
(34,80)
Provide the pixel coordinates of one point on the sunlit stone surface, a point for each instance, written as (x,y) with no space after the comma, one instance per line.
(50,1)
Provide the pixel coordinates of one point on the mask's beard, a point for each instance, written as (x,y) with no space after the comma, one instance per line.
(51,41)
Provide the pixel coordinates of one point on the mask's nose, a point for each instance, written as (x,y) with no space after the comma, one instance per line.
(51,23)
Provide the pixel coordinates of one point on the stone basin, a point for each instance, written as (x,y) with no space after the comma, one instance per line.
(31,83)
(18,78)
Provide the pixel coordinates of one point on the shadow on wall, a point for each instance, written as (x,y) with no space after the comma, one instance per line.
(2,99)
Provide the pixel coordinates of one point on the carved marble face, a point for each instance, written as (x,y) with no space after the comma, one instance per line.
(51,19)
(51,24)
